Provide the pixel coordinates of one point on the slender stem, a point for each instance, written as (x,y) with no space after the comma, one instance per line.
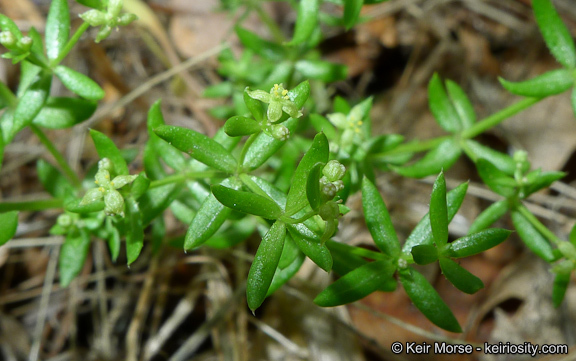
(363,252)
(6,94)
(31,205)
(498,117)
(181,177)
(73,40)
(247,145)
(270,23)
(537,224)
(58,156)
(299,220)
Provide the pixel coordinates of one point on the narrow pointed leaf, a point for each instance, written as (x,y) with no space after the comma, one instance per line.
(424,254)
(494,178)
(264,265)
(73,255)
(321,70)
(57,28)
(422,233)
(488,216)
(8,225)
(281,276)
(378,220)
(555,33)
(318,153)
(53,180)
(531,237)
(247,202)
(502,161)
(439,212)
(441,157)
(32,101)
(208,219)
(107,149)
(289,253)
(79,83)
(550,83)
(198,146)
(306,21)
(460,277)
(238,126)
(351,12)
(254,106)
(135,230)
(264,48)
(309,243)
(544,179)
(462,104)
(478,242)
(113,240)
(561,282)
(60,113)
(357,284)
(313,193)
(427,300)
(441,106)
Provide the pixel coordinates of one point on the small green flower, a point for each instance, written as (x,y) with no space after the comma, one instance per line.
(331,182)
(279,132)
(278,100)
(351,123)
(107,189)
(109,19)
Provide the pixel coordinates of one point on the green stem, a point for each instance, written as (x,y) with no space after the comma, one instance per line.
(414,147)
(247,145)
(181,177)
(7,95)
(299,220)
(58,156)
(31,205)
(363,252)
(537,224)
(270,23)
(70,44)
(498,117)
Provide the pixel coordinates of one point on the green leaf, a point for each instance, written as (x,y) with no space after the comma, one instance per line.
(113,239)
(107,149)
(543,180)
(139,186)
(494,178)
(247,202)
(489,216)
(502,161)
(220,90)
(427,300)
(318,153)
(79,83)
(321,124)
(264,48)
(555,33)
(573,100)
(462,105)
(28,74)
(531,237)
(60,112)
(209,218)
(156,200)
(199,147)
(8,225)
(561,282)
(73,254)
(357,284)
(7,24)
(351,12)
(73,205)
(135,228)
(94,4)
(32,101)
(264,188)
(321,70)
(309,243)
(37,48)
(441,107)
(422,233)
(285,274)
(264,265)
(306,21)
(424,254)
(53,180)
(313,193)
(344,258)
(477,242)
(550,83)
(57,28)
(378,220)
(460,277)
(439,212)
(238,126)
(254,106)
(289,253)
(443,156)
(157,147)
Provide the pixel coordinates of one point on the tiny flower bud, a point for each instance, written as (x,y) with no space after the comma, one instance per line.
(280,132)
(64,220)
(105,163)
(329,211)
(568,250)
(126,19)
(402,263)
(94,17)
(121,180)
(7,39)
(114,203)
(91,196)
(25,43)
(334,170)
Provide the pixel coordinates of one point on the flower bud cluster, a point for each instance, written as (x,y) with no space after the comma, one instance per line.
(109,19)
(331,181)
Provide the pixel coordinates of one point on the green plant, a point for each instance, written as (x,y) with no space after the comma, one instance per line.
(226,188)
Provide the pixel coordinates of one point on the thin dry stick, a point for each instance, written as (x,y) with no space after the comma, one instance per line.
(35,242)
(197,338)
(132,342)
(44,301)
(290,346)
(105,344)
